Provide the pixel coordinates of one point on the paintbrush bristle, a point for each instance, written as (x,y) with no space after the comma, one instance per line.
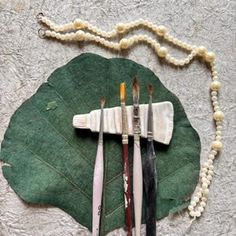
(122,92)
(103,101)
(150,89)
(135,87)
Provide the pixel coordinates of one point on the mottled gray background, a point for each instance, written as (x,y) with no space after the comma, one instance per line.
(26,61)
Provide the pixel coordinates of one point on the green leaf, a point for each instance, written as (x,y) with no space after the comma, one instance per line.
(52,163)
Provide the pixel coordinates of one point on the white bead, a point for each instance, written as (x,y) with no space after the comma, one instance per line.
(80,35)
(161,30)
(120,28)
(218,132)
(78,24)
(202,204)
(201,209)
(204,186)
(214,93)
(192,213)
(203,170)
(209,56)
(204,199)
(199,194)
(124,43)
(211,172)
(196,199)
(218,115)
(162,52)
(202,174)
(198,213)
(216,108)
(206,192)
(190,207)
(211,167)
(218,137)
(213,152)
(214,98)
(217,145)
(211,157)
(209,177)
(201,50)
(209,162)
(215,85)
(193,203)
(219,127)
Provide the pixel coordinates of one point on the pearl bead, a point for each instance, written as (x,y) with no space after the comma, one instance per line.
(199,194)
(211,157)
(218,115)
(209,56)
(202,204)
(218,137)
(214,98)
(202,175)
(211,172)
(198,213)
(201,50)
(162,52)
(209,162)
(204,199)
(217,145)
(190,207)
(80,35)
(124,43)
(211,167)
(204,186)
(201,209)
(209,177)
(214,93)
(193,203)
(78,24)
(196,199)
(219,127)
(215,85)
(120,28)
(206,192)
(161,30)
(203,170)
(192,213)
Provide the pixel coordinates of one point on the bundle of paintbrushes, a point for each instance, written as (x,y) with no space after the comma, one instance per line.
(143,175)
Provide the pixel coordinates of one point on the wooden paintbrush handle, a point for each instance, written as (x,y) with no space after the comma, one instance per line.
(97,190)
(150,188)
(127,190)
(137,186)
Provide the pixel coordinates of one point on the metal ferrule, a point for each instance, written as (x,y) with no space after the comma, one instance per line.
(100,138)
(150,120)
(124,121)
(136,118)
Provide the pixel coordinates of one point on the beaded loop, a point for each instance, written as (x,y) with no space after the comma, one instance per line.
(39,16)
(42,33)
(199,199)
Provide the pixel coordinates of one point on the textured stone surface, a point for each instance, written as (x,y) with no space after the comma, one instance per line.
(26,61)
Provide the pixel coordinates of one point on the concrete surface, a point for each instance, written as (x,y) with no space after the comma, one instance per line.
(26,61)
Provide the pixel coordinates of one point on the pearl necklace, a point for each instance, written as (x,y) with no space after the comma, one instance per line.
(76,31)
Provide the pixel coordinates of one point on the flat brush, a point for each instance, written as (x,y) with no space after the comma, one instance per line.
(125,154)
(98,178)
(149,171)
(137,161)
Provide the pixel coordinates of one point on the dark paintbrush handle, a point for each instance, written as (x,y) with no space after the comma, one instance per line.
(127,190)
(150,188)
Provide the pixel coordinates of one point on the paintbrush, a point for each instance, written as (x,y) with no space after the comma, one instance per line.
(137,161)
(149,172)
(98,177)
(125,154)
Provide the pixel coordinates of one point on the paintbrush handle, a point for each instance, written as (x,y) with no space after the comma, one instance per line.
(97,190)
(137,186)
(150,188)
(127,190)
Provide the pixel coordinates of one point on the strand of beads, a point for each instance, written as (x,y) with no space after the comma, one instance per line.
(60,32)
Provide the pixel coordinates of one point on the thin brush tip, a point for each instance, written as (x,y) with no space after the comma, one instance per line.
(135,86)
(150,89)
(103,101)
(122,91)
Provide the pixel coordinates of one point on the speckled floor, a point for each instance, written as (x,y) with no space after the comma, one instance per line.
(26,61)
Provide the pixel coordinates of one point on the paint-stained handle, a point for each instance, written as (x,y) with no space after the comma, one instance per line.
(127,190)
(97,190)
(137,186)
